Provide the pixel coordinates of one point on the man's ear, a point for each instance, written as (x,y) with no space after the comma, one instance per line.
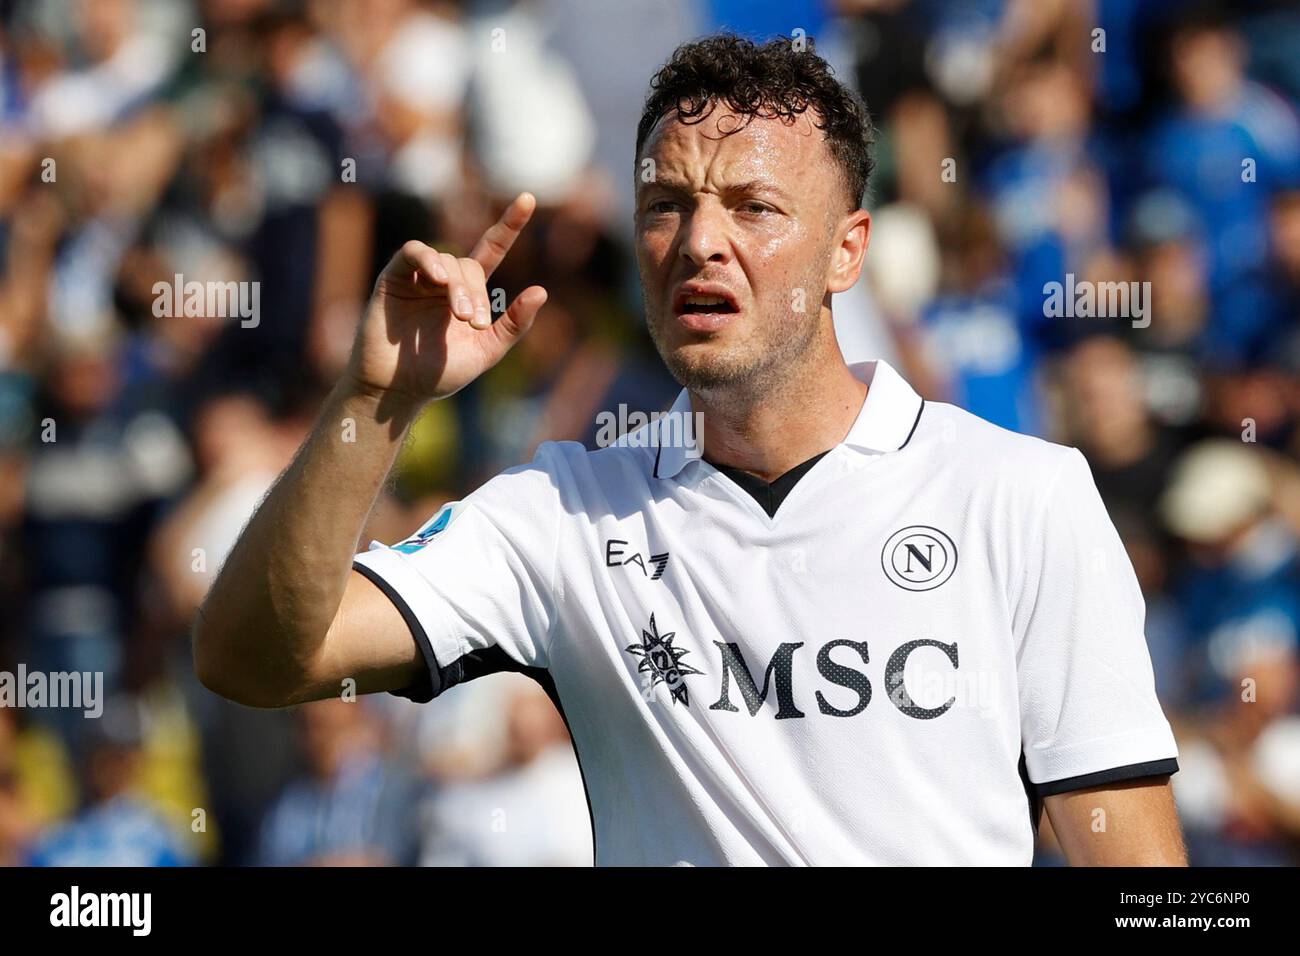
(852,235)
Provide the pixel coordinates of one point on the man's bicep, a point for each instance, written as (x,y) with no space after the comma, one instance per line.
(473,587)
(1133,823)
(369,647)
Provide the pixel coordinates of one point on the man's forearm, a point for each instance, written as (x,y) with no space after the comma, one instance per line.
(266,617)
(1131,823)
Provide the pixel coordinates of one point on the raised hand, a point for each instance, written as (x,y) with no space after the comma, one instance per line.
(427,331)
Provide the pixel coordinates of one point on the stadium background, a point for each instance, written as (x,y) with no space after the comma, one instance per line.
(1122,164)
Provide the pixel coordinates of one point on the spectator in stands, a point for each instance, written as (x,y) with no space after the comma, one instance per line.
(115,828)
(351,807)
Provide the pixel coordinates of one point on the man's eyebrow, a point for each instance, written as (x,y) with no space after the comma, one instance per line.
(750,186)
(758,186)
(675,185)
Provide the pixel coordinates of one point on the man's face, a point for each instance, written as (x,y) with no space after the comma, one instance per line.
(748,217)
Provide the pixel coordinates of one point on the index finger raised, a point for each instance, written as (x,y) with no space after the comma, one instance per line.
(496,242)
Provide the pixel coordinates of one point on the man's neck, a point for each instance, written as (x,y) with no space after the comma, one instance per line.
(769,432)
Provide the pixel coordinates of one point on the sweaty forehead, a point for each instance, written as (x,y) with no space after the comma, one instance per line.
(725,148)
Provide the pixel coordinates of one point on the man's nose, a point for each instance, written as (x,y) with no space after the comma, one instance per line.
(706,238)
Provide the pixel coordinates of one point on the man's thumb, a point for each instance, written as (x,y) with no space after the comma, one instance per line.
(518,319)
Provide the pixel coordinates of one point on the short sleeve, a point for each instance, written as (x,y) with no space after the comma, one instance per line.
(1088,708)
(474,582)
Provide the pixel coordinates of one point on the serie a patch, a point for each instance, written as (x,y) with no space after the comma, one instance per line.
(438,524)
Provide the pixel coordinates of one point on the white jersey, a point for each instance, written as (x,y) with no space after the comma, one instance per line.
(937,627)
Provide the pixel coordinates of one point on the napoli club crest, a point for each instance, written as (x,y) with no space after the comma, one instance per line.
(919,558)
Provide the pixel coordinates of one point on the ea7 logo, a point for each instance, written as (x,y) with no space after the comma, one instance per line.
(616,556)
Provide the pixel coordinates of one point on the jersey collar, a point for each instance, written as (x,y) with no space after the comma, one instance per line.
(888,418)
(891,412)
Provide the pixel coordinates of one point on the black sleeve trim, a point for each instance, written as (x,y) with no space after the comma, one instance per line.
(1134,771)
(429,685)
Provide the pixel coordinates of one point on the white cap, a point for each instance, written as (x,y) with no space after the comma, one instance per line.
(1217,487)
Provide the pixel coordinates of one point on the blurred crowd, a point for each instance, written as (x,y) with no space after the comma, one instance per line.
(297,143)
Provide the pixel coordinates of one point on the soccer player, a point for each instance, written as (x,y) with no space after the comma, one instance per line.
(836,624)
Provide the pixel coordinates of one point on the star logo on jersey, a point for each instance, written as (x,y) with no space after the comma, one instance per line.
(663,661)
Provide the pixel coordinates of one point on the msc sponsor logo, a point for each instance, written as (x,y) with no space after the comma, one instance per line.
(661,662)
(779,676)
(937,684)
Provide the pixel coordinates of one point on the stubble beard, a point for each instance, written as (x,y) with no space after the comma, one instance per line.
(744,368)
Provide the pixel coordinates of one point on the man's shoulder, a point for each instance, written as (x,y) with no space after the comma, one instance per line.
(557,466)
(951,434)
(984,451)
(635,450)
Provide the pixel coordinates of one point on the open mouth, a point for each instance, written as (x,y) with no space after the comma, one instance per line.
(707,305)
(705,308)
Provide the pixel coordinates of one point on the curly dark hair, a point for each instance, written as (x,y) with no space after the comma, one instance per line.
(774,79)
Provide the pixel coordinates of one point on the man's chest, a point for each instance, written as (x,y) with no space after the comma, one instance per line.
(834,610)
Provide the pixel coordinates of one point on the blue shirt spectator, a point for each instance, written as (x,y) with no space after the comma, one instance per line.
(363,813)
(120,832)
